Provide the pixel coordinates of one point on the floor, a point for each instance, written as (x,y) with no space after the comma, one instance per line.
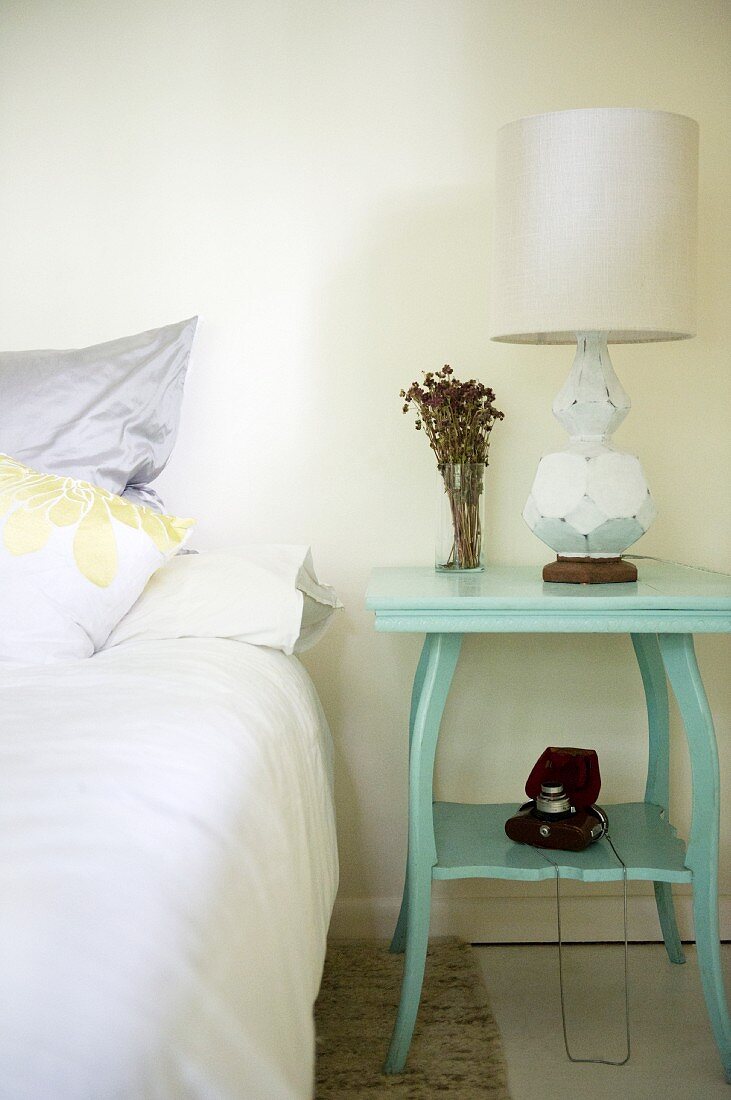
(673,1053)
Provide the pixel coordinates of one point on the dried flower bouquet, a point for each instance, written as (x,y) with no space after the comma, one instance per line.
(457,418)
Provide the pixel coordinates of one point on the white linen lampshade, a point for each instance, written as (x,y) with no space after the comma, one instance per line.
(595,226)
(595,242)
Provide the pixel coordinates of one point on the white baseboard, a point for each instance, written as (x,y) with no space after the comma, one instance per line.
(522,920)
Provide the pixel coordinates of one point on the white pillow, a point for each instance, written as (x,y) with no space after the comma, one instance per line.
(73,559)
(266,595)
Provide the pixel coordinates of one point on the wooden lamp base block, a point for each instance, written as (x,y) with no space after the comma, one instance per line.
(590,571)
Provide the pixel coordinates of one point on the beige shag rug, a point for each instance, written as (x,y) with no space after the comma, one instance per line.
(456,1049)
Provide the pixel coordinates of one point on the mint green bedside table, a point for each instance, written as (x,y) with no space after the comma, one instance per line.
(661,612)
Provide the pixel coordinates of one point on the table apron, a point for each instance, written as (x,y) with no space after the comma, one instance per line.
(448,621)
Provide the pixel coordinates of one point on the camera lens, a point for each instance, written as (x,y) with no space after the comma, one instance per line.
(553,802)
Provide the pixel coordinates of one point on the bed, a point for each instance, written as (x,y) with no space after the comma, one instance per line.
(167,844)
(167,873)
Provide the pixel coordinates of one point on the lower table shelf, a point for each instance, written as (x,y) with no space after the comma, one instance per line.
(471,843)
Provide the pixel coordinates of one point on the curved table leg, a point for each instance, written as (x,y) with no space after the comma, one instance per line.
(679,658)
(399,937)
(657,789)
(438,671)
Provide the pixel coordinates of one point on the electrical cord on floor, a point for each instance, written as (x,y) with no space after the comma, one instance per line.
(569,1055)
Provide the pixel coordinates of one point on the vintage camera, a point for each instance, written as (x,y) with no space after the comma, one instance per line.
(561,813)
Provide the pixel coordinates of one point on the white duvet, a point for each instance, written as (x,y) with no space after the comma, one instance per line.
(167,872)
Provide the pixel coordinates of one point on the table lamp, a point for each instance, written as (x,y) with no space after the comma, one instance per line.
(594,243)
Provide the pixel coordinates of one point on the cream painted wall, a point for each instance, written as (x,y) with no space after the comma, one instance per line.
(315,179)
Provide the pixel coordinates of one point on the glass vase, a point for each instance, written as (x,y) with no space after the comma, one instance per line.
(460,517)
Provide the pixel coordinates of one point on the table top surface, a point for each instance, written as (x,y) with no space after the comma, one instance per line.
(661,586)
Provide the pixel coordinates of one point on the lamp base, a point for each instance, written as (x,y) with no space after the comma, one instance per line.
(590,499)
(590,571)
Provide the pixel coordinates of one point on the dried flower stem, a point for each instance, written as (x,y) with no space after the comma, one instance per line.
(463,485)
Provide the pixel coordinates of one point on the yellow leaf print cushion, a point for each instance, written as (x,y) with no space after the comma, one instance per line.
(73,560)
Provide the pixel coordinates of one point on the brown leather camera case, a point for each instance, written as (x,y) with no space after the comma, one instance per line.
(570,834)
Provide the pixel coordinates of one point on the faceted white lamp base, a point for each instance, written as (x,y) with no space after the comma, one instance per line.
(590,502)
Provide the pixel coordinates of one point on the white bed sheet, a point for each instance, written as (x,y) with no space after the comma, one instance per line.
(167,873)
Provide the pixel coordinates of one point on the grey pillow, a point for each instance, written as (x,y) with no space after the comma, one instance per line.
(108,414)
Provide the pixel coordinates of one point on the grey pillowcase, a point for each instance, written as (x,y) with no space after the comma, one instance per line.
(108,414)
(145,495)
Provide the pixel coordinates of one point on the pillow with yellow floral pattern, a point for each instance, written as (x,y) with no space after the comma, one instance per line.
(73,560)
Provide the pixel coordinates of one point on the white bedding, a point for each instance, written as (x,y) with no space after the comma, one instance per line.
(167,873)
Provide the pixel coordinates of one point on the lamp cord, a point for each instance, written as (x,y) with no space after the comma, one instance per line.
(683,564)
(569,1055)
